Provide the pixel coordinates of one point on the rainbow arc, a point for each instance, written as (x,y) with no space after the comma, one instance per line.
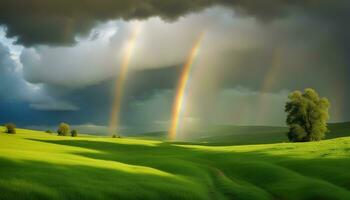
(121,79)
(178,105)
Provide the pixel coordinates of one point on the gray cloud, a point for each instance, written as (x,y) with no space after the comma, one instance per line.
(56,22)
(12,84)
(14,88)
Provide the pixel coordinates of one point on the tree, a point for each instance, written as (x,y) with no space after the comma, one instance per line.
(116,136)
(74,133)
(63,129)
(307,116)
(10,128)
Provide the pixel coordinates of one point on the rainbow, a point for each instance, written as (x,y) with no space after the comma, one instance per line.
(270,76)
(120,81)
(268,82)
(181,88)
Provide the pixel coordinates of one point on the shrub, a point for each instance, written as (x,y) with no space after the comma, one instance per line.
(10,128)
(74,133)
(63,129)
(48,131)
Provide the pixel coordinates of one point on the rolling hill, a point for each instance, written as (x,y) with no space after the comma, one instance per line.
(37,165)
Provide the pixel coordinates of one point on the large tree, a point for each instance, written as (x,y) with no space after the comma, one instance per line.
(307,116)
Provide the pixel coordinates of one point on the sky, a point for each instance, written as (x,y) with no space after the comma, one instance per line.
(59,61)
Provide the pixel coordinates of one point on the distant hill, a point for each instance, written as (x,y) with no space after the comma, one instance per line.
(240,135)
(230,134)
(339,130)
(159,135)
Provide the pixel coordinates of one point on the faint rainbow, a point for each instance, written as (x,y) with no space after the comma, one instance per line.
(121,78)
(181,88)
(268,83)
(337,105)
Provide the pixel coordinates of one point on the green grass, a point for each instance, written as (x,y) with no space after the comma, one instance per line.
(37,165)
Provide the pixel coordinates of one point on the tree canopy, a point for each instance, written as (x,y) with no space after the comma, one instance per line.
(10,128)
(307,116)
(63,129)
(74,133)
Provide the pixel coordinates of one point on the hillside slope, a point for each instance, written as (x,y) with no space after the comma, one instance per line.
(36,165)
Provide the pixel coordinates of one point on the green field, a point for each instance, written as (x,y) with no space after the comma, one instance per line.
(37,165)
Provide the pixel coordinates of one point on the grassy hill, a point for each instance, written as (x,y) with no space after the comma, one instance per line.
(37,165)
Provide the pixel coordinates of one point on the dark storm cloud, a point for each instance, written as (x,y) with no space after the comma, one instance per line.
(15,89)
(57,22)
(15,94)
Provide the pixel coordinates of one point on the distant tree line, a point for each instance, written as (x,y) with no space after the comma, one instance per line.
(63,130)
